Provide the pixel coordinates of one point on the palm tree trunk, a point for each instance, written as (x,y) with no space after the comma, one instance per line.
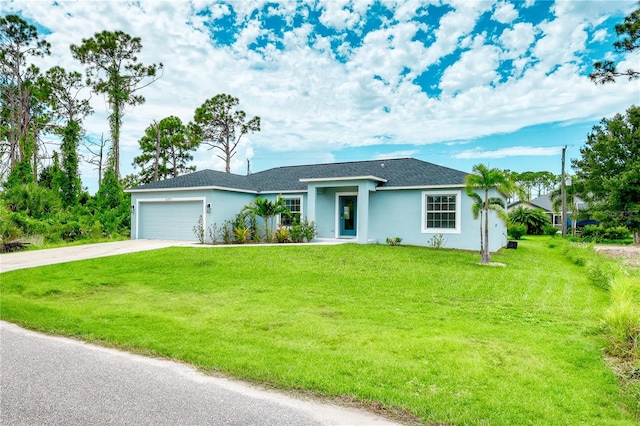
(481,237)
(486,258)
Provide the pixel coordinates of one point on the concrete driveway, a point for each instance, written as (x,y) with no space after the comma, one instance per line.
(53,380)
(31,259)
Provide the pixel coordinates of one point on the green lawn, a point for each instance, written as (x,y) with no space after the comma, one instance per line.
(423,330)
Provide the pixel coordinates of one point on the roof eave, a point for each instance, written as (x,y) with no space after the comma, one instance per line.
(191,188)
(391,188)
(343,178)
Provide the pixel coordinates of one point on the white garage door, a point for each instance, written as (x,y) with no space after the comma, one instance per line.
(169,220)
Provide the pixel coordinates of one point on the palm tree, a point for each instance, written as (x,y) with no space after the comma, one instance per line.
(486,179)
(268,210)
(496,204)
(534,219)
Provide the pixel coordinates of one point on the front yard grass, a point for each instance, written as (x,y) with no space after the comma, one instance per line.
(426,331)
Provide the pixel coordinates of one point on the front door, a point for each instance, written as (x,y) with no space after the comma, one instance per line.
(347,211)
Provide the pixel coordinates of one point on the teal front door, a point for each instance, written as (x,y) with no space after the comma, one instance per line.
(347,210)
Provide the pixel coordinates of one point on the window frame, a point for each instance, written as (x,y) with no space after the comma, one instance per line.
(458,212)
(292,197)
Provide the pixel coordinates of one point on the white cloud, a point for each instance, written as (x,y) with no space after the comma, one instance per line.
(454,26)
(515,151)
(312,104)
(476,67)
(396,154)
(518,39)
(600,35)
(336,14)
(505,12)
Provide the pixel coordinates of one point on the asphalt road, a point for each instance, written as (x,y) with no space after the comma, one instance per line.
(47,380)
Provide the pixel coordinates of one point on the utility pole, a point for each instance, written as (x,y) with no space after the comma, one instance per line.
(563,194)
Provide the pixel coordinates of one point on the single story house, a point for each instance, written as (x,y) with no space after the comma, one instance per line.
(365,201)
(544,202)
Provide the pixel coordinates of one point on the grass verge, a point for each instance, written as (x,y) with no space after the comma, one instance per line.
(426,331)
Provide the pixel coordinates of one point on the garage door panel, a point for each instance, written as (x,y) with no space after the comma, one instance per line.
(169,220)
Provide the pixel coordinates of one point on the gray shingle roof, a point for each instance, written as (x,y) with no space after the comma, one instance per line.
(544,202)
(202,178)
(401,172)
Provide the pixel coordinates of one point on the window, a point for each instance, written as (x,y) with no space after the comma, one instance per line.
(441,212)
(295,207)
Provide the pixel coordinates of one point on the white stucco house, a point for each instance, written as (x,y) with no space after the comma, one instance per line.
(363,201)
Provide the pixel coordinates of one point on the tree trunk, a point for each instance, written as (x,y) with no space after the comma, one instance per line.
(115,121)
(486,258)
(157,156)
(481,237)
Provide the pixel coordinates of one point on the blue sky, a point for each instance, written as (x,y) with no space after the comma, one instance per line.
(456,83)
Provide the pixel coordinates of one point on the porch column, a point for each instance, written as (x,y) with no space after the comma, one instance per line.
(311,202)
(363,212)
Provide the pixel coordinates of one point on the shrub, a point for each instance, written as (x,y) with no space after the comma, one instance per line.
(226,232)
(212,233)
(437,241)
(295,231)
(550,230)
(621,321)
(242,233)
(308,230)
(33,200)
(71,230)
(395,241)
(198,230)
(616,233)
(592,231)
(282,234)
(602,271)
(517,230)
(533,219)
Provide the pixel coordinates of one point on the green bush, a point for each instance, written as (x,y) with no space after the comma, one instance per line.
(437,241)
(592,231)
(242,233)
(601,271)
(533,219)
(550,230)
(301,230)
(394,241)
(199,231)
(29,225)
(621,322)
(282,234)
(33,200)
(616,233)
(517,230)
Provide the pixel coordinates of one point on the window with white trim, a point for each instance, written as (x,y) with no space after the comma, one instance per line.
(294,204)
(441,212)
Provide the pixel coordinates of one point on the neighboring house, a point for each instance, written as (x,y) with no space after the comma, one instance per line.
(544,202)
(366,201)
